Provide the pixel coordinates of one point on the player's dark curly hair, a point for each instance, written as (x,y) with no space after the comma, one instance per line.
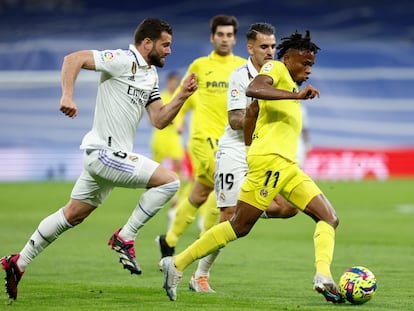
(297,42)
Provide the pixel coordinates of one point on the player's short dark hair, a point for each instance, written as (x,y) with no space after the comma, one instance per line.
(297,42)
(223,20)
(151,28)
(263,28)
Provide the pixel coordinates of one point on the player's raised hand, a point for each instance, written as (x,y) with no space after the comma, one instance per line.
(308,92)
(190,84)
(68,107)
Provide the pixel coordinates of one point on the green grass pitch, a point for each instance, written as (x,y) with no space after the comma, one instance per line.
(270,269)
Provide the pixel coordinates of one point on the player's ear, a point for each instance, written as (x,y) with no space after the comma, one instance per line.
(250,49)
(148,44)
(286,58)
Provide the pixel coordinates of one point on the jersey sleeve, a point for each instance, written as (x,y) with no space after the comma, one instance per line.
(236,93)
(271,69)
(113,62)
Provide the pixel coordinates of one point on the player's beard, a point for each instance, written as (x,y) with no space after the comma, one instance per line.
(155,59)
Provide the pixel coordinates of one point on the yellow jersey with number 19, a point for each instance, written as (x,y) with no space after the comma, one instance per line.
(279,123)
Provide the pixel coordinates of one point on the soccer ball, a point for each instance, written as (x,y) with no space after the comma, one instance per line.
(358,284)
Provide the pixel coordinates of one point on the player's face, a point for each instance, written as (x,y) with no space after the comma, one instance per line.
(160,50)
(262,49)
(223,40)
(299,64)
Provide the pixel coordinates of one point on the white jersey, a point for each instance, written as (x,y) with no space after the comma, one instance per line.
(126,87)
(232,141)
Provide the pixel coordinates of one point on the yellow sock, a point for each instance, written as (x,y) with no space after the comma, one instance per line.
(324,241)
(184,191)
(215,238)
(211,213)
(183,219)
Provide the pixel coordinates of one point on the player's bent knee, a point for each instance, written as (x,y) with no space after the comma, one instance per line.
(162,176)
(335,222)
(290,212)
(171,187)
(76,211)
(240,230)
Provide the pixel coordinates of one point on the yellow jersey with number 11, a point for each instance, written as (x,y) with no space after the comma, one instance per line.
(279,122)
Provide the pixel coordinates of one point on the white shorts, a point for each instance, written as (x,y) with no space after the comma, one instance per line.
(228,178)
(104,169)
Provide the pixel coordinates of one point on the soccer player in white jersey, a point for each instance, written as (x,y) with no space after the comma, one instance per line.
(128,86)
(231,166)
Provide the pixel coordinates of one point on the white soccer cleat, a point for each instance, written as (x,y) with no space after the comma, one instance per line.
(200,284)
(171,277)
(327,287)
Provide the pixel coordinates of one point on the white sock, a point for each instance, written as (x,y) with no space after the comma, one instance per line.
(149,204)
(205,264)
(48,230)
(171,216)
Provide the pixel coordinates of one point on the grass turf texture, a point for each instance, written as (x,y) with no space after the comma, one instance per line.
(270,269)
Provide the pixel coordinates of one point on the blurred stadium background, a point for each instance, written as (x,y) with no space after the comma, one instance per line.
(361,127)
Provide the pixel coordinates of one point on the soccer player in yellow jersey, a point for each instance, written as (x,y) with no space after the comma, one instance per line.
(209,117)
(231,165)
(166,143)
(273,168)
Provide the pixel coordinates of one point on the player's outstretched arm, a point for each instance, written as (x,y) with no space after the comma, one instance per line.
(72,64)
(261,87)
(161,115)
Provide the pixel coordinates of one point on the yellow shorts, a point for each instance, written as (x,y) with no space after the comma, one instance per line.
(167,144)
(202,154)
(272,174)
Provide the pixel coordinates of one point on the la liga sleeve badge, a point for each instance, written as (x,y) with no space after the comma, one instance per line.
(267,67)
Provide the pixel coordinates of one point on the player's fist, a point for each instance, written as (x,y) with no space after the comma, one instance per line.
(68,107)
(309,92)
(190,83)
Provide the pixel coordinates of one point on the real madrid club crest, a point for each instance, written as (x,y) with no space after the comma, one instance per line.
(133,158)
(133,71)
